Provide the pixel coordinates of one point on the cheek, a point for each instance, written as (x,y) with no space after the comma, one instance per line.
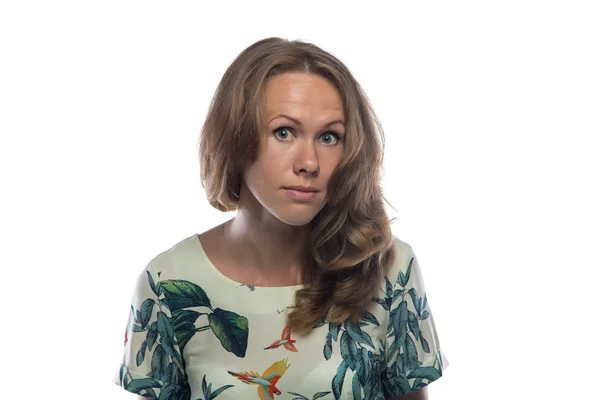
(329,167)
(262,175)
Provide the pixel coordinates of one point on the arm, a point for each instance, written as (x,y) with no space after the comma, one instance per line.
(420,394)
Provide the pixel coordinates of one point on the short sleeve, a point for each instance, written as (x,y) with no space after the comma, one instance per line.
(413,354)
(152,365)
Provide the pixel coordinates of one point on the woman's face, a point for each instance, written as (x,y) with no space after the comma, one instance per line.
(301,144)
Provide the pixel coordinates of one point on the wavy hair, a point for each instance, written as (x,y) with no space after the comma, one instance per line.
(351,245)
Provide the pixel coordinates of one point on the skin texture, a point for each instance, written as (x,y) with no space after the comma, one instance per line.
(270,229)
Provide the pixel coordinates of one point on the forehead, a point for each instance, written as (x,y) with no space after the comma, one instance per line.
(301,91)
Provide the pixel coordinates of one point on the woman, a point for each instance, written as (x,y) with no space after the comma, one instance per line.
(305,293)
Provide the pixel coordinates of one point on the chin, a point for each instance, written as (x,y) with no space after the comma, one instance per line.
(296,221)
(295,217)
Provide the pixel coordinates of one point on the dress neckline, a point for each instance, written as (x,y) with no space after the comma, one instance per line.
(231,282)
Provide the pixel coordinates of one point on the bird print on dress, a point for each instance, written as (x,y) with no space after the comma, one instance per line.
(285,341)
(267,381)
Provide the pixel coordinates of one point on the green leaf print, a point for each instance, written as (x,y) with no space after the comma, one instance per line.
(412,357)
(139,359)
(403,279)
(430,373)
(397,294)
(146,313)
(137,385)
(182,317)
(121,372)
(382,302)
(152,393)
(396,345)
(388,288)
(391,319)
(413,324)
(152,335)
(356,388)
(184,334)
(167,392)
(183,324)
(218,391)
(366,364)
(400,321)
(358,334)
(134,315)
(327,347)
(369,317)
(231,329)
(298,396)
(415,299)
(400,385)
(386,302)
(204,387)
(176,374)
(181,294)
(167,335)
(334,330)
(208,393)
(170,375)
(338,380)
(363,366)
(316,396)
(156,289)
(403,349)
(348,350)
(377,364)
(402,318)
(159,363)
(424,343)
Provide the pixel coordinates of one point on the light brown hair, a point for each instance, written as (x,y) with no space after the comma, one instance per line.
(351,243)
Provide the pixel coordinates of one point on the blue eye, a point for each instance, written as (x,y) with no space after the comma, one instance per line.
(285,128)
(337,137)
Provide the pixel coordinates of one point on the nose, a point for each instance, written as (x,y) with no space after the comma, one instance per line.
(307,160)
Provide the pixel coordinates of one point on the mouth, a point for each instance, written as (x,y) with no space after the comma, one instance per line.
(300,195)
(302,189)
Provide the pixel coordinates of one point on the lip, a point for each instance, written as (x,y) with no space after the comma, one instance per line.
(302,188)
(300,195)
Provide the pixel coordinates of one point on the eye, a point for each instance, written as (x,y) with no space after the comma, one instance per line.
(337,137)
(282,129)
(289,130)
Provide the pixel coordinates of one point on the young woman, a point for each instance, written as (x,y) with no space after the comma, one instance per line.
(305,293)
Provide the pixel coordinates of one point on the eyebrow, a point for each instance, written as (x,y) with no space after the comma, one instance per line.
(300,123)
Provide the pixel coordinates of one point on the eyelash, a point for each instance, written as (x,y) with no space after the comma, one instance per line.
(337,136)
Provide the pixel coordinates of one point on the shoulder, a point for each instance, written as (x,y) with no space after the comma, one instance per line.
(173,258)
(403,254)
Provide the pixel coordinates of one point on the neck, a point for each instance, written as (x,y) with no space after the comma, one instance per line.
(267,246)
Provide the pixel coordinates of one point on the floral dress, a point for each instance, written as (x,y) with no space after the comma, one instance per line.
(193,333)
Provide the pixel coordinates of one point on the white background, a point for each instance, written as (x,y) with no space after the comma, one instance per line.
(491,114)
